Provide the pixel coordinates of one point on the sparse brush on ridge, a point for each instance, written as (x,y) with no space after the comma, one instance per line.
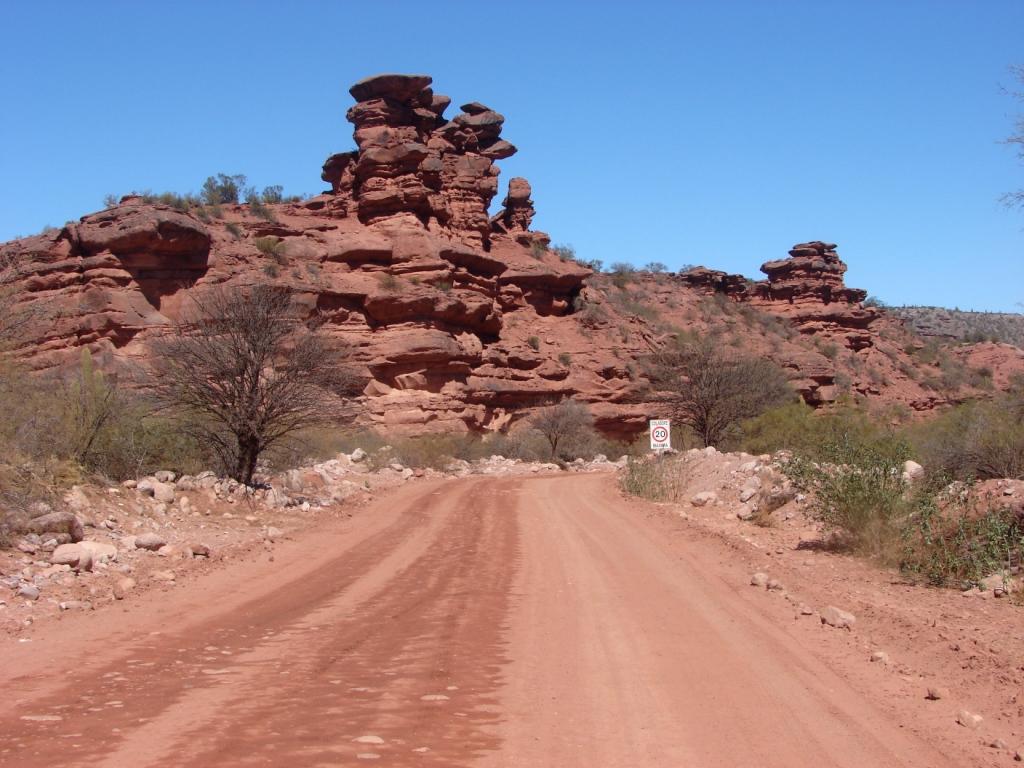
(274,247)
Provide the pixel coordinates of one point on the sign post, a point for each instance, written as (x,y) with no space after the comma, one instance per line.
(661,435)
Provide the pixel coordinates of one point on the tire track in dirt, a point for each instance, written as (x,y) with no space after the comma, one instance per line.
(416,610)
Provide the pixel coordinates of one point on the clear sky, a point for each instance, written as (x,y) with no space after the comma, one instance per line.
(708,132)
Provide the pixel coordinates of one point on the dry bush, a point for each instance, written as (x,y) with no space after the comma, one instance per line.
(242,374)
(656,478)
(566,427)
(857,491)
(712,391)
(949,543)
(977,440)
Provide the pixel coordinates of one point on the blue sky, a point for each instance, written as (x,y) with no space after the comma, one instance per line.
(693,132)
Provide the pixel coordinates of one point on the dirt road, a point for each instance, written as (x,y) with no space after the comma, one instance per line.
(478,622)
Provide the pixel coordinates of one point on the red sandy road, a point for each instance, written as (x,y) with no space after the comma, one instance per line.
(562,630)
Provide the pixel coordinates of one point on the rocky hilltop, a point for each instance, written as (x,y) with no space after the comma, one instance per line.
(461,320)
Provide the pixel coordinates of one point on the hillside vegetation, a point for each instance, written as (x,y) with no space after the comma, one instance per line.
(961,325)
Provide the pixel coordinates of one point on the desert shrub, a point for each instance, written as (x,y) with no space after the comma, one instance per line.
(273,194)
(959,547)
(635,304)
(567,427)
(977,440)
(655,267)
(590,313)
(444,286)
(857,490)
(387,282)
(565,359)
(713,391)
(257,207)
(222,189)
(564,252)
(85,423)
(234,230)
(271,270)
(657,478)
(622,274)
(534,342)
(273,247)
(537,250)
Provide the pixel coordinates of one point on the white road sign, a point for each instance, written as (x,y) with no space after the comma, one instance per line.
(661,435)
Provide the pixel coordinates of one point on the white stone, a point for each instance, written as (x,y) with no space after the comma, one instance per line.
(838,618)
(969,719)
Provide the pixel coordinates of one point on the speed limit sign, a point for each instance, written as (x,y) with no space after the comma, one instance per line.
(661,435)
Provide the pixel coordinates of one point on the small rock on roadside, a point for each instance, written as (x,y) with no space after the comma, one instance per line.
(759,579)
(150,541)
(880,656)
(936,692)
(968,719)
(28,591)
(123,587)
(838,618)
(703,498)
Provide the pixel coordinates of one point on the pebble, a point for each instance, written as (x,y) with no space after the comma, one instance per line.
(880,656)
(935,693)
(759,579)
(434,697)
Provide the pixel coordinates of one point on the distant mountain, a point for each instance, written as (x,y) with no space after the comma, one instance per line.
(1006,327)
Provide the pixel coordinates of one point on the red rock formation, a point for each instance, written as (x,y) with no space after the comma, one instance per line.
(412,162)
(517,208)
(809,288)
(400,257)
(460,320)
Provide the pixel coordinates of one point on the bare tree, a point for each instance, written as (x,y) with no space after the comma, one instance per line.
(1015,199)
(244,374)
(712,391)
(563,424)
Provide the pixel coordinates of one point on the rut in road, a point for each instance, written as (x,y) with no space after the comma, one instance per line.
(484,622)
(301,673)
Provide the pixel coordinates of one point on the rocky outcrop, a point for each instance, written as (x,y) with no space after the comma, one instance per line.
(517,208)
(808,286)
(399,258)
(712,281)
(414,163)
(459,320)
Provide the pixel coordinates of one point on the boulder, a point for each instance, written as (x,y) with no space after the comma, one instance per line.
(58,523)
(149,541)
(74,555)
(102,552)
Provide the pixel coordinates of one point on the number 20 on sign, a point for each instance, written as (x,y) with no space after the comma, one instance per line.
(661,435)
